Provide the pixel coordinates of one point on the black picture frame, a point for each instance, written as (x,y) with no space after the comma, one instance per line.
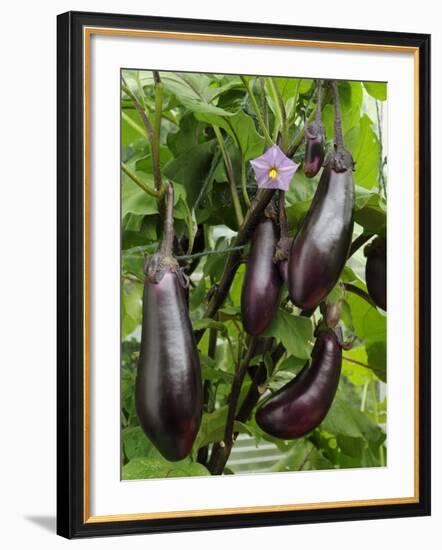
(71,521)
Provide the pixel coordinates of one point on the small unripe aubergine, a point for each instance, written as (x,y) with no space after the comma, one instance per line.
(320,248)
(314,149)
(301,405)
(376,271)
(261,290)
(168,390)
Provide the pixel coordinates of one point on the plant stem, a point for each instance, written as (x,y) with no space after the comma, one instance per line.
(156,138)
(296,143)
(359,292)
(210,252)
(339,141)
(382,183)
(143,114)
(208,180)
(358,242)
(262,125)
(265,109)
(281,112)
(244,182)
(221,451)
(168,235)
(376,417)
(283,224)
(318,115)
(356,362)
(138,181)
(230,175)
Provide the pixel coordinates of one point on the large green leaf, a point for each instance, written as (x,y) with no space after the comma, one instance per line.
(293,331)
(193,91)
(134,199)
(154,468)
(190,168)
(350,422)
(363,143)
(378,90)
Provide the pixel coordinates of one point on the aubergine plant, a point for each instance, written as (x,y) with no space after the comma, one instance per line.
(249,311)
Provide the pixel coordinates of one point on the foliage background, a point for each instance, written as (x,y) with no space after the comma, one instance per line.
(196,108)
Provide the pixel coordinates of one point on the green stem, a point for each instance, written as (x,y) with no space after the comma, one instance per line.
(376,417)
(265,109)
(230,176)
(244,182)
(138,181)
(264,130)
(157,131)
(279,102)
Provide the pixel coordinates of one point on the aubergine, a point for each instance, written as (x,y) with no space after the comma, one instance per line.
(301,405)
(168,388)
(321,246)
(314,148)
(261,290)
(376,271)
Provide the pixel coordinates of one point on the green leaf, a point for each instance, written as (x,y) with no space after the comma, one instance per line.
(363,143)
(132,294)
(154,468)
(190,168)
(209,323)
(193,91)
(295,333)
(135,443)
(136,201)
(347,421)
(378,90)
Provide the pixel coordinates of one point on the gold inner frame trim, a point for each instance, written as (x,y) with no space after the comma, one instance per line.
(87,33)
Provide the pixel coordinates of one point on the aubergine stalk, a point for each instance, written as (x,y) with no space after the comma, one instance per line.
(376,271)
(301,405)
(168,390)
(315,140)
(261,289)
(321,246)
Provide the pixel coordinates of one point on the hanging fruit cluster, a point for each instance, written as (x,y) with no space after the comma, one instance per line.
(169,390)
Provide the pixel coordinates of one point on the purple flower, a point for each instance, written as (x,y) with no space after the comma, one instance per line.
(273,170)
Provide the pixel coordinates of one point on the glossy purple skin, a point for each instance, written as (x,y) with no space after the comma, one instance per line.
(314,156)
(168,390)
(301,405)
(320,248)
(261,289)
(376,278)
(283,267)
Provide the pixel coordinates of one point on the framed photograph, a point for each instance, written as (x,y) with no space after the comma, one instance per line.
(228,196)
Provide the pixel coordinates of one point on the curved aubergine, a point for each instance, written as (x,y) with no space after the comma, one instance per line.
(261,289)
(314,148)
(302,404)
(168,385)
(376,271)
(320,248)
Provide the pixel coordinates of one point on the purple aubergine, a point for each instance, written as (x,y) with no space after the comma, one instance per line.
(314,148)
(320,248)
(168,386)
(261,289)
(301,405)
(376,271)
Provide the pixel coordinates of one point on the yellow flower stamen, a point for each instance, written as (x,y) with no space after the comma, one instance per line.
(273,173)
